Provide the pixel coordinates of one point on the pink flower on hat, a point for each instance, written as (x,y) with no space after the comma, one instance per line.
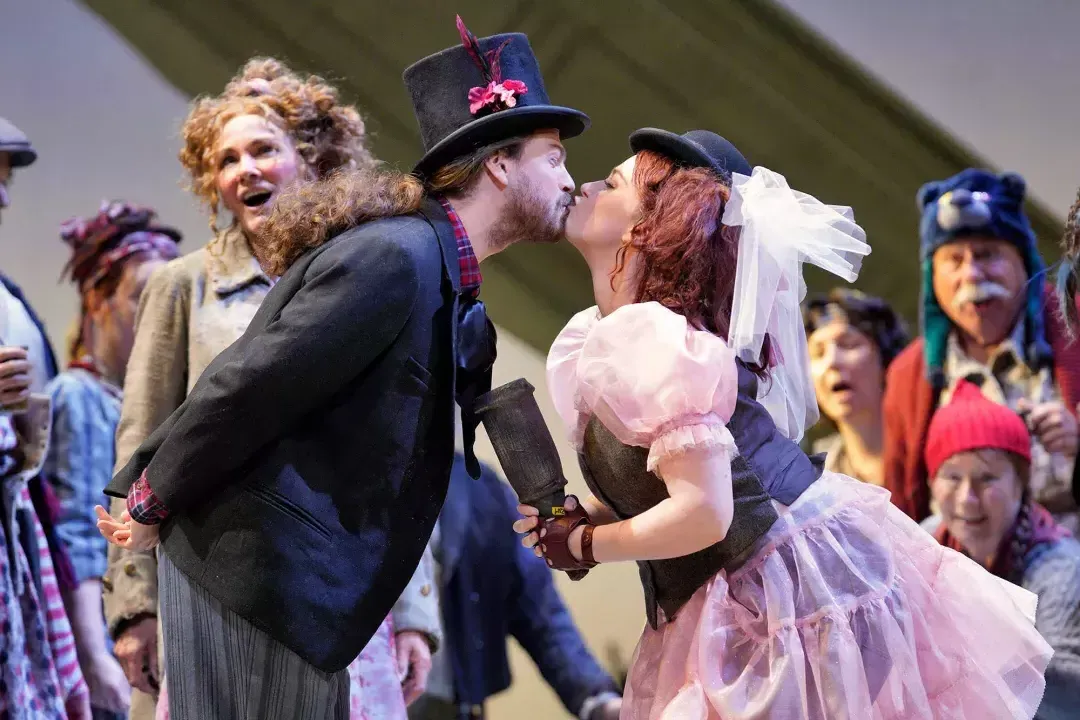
(499,96)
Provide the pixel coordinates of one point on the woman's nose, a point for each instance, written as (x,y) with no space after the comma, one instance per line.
(967,494)
(248,166)
(829,358)
(587,188)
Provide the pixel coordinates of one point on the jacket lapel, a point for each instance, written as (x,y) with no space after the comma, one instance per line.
(433,212)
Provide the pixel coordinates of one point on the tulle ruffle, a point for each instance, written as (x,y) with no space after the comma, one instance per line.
(780,230)
(684,437)
(846,609)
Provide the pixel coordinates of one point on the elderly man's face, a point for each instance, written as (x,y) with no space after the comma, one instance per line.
(980,284)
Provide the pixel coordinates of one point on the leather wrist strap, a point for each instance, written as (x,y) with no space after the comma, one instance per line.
(554,543)
(586,544)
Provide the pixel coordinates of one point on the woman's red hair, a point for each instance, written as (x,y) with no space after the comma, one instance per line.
(686,254)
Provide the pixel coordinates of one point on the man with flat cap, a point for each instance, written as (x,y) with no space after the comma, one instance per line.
(296,487)
(19,324)
(40,571)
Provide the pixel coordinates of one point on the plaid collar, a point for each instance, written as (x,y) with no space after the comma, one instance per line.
(1010,353)
(467,262)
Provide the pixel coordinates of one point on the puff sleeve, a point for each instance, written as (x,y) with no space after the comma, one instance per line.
(656,382)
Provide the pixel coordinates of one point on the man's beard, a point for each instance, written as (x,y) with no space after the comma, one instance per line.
(526,217)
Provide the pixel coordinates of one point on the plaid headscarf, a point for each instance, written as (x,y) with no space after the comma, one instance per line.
(116,233)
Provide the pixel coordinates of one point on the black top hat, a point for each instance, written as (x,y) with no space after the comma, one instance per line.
(697,148)
(14,142)
(480,92)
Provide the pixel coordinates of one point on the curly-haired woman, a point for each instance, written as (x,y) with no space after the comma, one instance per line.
(270,129)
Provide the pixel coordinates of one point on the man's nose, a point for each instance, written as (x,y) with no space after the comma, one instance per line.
(971,270)
(568,183)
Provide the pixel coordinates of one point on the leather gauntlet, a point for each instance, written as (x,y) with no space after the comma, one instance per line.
(555,542)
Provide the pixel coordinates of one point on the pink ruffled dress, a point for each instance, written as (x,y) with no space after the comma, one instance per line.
(844,608)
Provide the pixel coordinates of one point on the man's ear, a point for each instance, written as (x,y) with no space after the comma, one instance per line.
(497,166)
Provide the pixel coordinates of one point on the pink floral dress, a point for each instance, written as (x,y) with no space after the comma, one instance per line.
(374,684)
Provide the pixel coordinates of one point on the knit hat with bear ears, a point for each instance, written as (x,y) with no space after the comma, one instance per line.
(977,202)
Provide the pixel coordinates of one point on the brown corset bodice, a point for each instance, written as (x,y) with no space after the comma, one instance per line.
(768,466)
(616,474)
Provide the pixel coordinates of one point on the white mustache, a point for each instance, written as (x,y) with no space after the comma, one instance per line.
(980,292)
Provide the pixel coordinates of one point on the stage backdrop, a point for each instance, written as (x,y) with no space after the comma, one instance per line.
(105,121)
(747,68)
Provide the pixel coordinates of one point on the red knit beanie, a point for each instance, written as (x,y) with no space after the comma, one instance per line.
(972,422)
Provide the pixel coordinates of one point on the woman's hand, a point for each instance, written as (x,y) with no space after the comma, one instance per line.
(126,532)
(533,538)
(136,649)
(109,688)
(413,663)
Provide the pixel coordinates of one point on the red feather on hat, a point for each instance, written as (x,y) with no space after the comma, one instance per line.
(487,62)
(472,45)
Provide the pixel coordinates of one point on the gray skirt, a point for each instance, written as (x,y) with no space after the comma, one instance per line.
(218,666)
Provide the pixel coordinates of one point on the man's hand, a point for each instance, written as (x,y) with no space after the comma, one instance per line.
(14,377)
(1053,426)
(136,649)
(109,689)
(126,532)
(414,663)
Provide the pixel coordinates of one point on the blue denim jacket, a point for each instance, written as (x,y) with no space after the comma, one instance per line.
(79,463)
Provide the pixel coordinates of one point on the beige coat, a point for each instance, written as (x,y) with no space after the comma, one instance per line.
(192,309)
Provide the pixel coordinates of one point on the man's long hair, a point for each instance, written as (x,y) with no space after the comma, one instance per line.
(459,177)
(309,214)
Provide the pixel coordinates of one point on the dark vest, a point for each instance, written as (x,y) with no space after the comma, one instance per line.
(768,466)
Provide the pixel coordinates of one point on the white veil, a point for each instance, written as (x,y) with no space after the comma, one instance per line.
(781,229)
